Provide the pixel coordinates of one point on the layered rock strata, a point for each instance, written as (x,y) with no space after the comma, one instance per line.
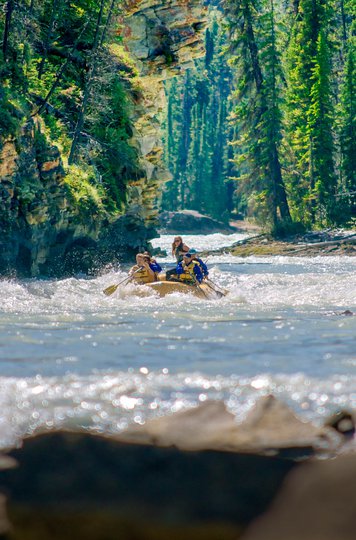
(42,231)
(164,38)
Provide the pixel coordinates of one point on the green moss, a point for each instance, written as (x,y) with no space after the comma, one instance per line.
(85,192)
(56,133)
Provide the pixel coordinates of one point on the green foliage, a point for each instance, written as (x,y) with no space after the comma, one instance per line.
(84,190)
(9,118)
(50,54)
(312,180)
(257,115)
(348,133)
(196,134)
(285,114)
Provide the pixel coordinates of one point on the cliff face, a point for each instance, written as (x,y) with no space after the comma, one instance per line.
(43,230)
(164,38)
(32,200)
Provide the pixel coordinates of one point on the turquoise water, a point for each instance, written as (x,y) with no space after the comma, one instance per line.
(69,356)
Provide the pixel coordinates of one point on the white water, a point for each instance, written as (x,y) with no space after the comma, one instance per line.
(71,356)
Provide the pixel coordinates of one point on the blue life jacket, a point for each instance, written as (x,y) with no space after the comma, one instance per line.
(204,268)
(155,267)
(191,272)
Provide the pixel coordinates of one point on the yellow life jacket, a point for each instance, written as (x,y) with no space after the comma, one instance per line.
(188,275)
(142,275)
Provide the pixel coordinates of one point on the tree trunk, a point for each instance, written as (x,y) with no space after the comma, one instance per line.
(87,90)
(9,8)
(48,40)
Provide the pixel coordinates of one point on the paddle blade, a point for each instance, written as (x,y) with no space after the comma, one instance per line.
(110,290)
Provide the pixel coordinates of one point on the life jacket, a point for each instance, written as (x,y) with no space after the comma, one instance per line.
(142,275)
(203,267)
(189,275)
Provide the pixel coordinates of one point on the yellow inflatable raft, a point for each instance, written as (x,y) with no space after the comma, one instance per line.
(168,287)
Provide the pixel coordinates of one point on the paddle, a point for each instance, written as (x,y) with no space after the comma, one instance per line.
(219,293)
(112,288)
(197,284)
(215,287)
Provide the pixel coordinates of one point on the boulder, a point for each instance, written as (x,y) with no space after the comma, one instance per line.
(270,428)
(316,502)
(196,475)
(90,487)
(191,222)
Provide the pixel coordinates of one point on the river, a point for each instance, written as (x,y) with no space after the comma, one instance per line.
(72,357)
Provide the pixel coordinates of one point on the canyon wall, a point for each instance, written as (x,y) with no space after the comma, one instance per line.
(43,231)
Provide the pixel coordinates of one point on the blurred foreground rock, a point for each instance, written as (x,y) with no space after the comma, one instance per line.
(189,476)
(316,502)
(270,428)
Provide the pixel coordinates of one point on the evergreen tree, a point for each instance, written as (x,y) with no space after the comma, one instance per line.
(196,134)
(348,130)
(312,181)
(258,112)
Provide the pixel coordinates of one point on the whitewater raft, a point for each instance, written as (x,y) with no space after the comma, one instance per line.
(169,287)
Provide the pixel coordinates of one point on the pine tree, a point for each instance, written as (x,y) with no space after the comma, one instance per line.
(196,134)
(258,114)
(312,181)
(348,129)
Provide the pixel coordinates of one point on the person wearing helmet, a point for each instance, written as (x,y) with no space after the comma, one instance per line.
(189,270)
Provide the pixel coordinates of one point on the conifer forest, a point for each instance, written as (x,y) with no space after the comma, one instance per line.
(265,124)
(260,125)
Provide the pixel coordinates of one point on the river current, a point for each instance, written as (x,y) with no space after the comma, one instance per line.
(72,357)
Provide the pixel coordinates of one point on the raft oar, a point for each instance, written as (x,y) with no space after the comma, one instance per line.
(197,284)
(215,287)
(219,293)
(112,288)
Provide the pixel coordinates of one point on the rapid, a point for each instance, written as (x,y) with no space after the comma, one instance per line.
(72,357)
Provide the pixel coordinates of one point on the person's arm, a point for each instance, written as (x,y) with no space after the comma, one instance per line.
(204,267)
(133,269)
(149,270)
(156,267)
(179,269)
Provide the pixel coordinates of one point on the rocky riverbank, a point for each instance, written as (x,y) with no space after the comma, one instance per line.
(308,245)
(197,474)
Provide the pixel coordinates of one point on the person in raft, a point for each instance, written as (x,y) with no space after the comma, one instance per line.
(202,264)
(157,268)
(189,270)
(178,250)
(144,270)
